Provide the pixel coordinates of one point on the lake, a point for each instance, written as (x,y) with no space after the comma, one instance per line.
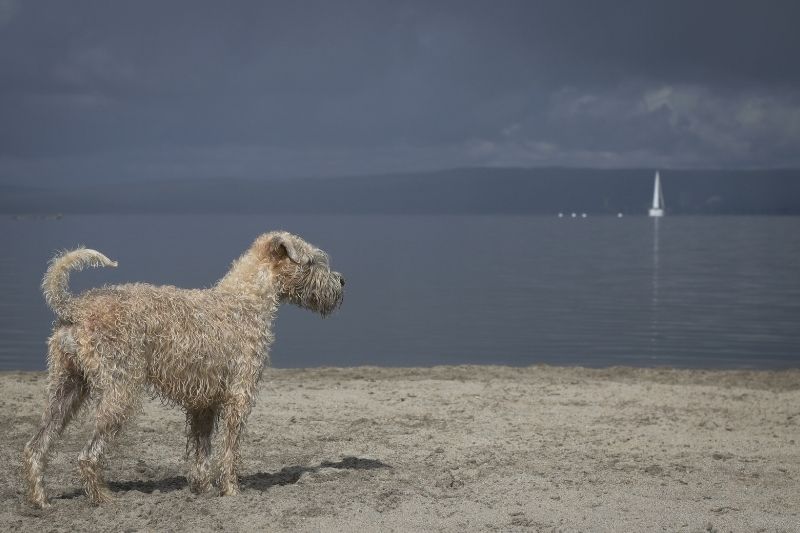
(717,292)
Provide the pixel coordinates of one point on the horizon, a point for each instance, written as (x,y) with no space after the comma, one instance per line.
(469,190)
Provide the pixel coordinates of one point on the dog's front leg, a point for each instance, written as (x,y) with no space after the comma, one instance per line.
(235,413)
(201,427)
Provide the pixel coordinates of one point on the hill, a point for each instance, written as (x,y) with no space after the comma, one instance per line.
(453,191)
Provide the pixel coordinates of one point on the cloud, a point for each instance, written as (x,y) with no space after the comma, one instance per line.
(8,9)
(651,125)
(740,126)
(319,88)
(86,67)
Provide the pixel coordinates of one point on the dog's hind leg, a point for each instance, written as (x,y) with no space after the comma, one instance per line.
(201,426)
(67,392)
(116,404)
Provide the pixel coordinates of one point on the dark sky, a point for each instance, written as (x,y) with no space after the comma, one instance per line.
(192,89)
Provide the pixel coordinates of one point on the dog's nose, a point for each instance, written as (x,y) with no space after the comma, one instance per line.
(341,280)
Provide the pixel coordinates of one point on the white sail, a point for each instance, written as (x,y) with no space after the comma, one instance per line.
(658,199)
(657,193)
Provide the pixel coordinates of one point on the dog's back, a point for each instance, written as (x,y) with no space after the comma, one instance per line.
(166,332)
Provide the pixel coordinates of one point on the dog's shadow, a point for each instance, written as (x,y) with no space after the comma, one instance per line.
(291,474)
(260,481)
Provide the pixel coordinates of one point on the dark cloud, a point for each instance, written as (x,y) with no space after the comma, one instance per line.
(179,89)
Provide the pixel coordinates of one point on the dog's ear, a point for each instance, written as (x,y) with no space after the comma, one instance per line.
(280,246)
(276,246)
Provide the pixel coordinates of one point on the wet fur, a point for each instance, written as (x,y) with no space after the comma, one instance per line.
(203,350)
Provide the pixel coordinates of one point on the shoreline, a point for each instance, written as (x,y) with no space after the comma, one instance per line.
(450,448)
(784,378)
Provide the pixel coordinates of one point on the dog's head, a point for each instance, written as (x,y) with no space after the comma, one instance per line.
(300,272)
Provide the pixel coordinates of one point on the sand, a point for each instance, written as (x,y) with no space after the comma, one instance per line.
(452,449)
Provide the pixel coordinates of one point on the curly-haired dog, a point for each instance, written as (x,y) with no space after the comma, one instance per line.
(201,349)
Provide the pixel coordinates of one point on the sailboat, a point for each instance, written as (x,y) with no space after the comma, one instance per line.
(658,199)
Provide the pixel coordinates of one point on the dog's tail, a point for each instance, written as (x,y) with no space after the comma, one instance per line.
(56,279)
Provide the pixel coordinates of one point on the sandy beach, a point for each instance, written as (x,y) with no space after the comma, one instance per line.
(448,448)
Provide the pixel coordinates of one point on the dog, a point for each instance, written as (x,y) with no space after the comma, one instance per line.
(201,349)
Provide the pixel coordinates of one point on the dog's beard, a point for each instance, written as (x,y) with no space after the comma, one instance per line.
(319,291)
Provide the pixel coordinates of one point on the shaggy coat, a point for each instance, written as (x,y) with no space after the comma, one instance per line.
(203,350)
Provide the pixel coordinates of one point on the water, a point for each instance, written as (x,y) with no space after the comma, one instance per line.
(424,290)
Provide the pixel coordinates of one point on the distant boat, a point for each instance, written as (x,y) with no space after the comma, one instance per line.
(658,199)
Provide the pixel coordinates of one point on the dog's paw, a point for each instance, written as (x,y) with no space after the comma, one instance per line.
(41,504)
(100,497)
(228,489)
(200,486)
